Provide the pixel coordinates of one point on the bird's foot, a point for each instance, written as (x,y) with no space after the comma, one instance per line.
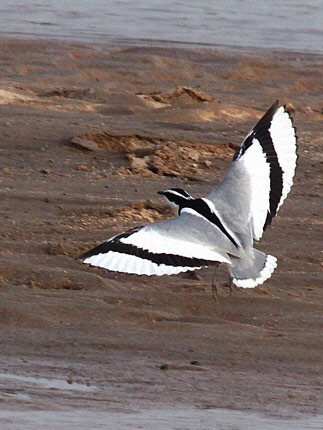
(215,293)
(231,286)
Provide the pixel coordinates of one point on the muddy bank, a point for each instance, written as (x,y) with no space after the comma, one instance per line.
(146,119)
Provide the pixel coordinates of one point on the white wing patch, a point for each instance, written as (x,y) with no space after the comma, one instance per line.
(120,262)
(283,136)
(277,151)
(151,240)
(254,161)
(150,250)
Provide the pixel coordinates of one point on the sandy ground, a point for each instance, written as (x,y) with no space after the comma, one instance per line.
(152,118)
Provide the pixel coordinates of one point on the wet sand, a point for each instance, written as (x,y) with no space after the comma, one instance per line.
(152,118)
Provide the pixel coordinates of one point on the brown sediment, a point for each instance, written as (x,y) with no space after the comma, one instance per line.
(181,95)
(259,349)
(149,156)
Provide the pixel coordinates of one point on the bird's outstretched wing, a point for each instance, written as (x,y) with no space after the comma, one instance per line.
(261,174)
(184,243)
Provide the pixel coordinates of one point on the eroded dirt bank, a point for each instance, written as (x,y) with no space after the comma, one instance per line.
(147,119)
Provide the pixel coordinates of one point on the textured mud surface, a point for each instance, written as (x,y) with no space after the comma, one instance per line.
(143,120)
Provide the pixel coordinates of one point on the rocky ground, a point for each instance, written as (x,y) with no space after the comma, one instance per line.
(145,119)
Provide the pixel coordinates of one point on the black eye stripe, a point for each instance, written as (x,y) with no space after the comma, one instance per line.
(174,198)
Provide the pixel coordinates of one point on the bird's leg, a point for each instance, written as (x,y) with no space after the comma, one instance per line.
(231,286)
(213,284)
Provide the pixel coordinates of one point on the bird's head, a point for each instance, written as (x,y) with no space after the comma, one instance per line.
(176,197)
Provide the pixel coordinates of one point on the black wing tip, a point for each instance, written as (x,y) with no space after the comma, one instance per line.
(275,105)
(269,113)
(83,256)
(102,248)
(106,246)
(86,254)
(262,124)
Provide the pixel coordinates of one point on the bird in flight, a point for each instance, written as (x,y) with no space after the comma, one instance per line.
(221,227)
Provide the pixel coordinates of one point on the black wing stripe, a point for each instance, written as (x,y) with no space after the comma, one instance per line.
(201,207)
(262,134)
(116,245)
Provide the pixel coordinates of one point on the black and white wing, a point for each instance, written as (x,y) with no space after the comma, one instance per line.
(184,243)
(261,174)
